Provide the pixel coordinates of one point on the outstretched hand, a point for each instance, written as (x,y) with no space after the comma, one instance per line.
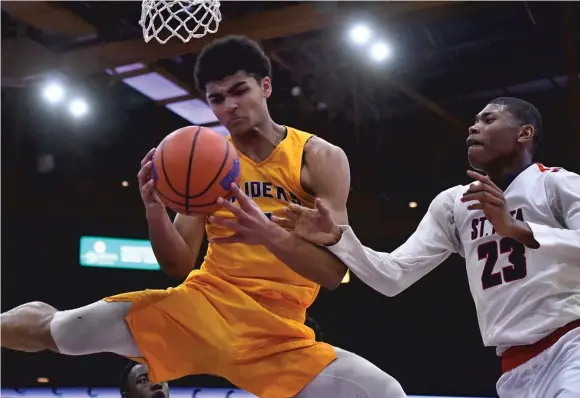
(313,225)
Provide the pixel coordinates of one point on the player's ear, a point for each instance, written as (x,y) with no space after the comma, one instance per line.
(527,133)
(267,87)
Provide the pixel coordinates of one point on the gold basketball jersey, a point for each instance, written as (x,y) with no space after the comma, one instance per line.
(272,184)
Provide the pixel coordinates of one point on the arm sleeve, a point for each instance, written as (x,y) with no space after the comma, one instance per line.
(563,194)
(391,273)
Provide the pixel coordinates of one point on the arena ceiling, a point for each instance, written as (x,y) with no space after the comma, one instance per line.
(449,58)
(507,48)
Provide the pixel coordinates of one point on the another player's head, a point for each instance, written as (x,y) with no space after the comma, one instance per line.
(235,75)
(135,383)
(507,130)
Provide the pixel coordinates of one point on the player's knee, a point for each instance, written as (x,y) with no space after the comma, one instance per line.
(380,384)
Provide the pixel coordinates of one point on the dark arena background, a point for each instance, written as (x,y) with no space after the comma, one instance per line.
(84,98)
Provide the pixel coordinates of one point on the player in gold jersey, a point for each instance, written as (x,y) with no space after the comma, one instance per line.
(241,316)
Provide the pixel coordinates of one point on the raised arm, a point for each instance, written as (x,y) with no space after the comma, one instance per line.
(391,273)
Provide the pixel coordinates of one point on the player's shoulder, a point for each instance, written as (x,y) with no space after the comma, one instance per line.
(550,175)
(540,168)
(320,149)
(449,196)
(442,207)
(557,178)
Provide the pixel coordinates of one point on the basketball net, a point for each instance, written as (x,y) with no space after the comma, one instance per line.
(186,19)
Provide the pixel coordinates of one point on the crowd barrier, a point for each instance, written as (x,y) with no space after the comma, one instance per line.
(109,392)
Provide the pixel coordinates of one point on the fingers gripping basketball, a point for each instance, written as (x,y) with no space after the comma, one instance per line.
(192,167)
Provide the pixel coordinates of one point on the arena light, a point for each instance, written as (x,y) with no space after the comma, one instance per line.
(53,93)
(360,34)
(412,205)
(78,108)
(124,184)
(380,51)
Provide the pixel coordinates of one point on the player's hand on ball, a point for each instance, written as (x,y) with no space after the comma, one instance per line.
(251,226)
(489,198)
(314,225)
(147,184)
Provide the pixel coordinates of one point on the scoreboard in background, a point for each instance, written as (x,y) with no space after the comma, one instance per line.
(99,251)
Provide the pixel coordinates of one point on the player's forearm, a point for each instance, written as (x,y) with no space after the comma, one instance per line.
(171,251)
(312,262)
(563,242)
(387,273)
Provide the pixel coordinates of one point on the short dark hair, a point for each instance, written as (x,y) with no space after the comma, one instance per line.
(124,382)
(525,113)
(227,56)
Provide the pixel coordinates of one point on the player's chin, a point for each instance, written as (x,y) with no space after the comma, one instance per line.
(239,127)
(477,158)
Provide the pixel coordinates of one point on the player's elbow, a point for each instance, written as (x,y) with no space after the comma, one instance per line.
(176,270)
(390,289)
(335,277)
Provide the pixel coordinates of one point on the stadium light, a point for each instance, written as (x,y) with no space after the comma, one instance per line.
(53,93)
(78,108)
(412,205)
(380,51)
(360,34)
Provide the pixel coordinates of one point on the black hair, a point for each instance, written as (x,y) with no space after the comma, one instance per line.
(124,382)
(312,324)
(525,113)
(227,56)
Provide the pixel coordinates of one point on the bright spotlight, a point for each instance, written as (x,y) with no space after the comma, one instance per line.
(78,108)
(412,205)
(53,93)
(360,34)
(380,52)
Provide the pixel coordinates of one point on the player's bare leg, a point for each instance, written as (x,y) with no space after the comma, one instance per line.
(27,327)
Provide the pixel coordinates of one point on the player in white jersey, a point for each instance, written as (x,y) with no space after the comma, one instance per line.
(518,228)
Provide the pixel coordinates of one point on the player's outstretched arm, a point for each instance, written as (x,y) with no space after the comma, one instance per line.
(563,193)
(391,273)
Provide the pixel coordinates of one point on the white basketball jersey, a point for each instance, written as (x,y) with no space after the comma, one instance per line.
(521,294)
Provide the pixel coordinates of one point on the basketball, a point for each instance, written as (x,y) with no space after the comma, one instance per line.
(192,167)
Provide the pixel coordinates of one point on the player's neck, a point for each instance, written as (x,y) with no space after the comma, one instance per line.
(259,143)
(503,175)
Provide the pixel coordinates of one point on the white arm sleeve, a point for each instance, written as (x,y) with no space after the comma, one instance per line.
(391,273)
(563,193)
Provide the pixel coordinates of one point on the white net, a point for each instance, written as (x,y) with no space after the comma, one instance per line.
(186,19)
